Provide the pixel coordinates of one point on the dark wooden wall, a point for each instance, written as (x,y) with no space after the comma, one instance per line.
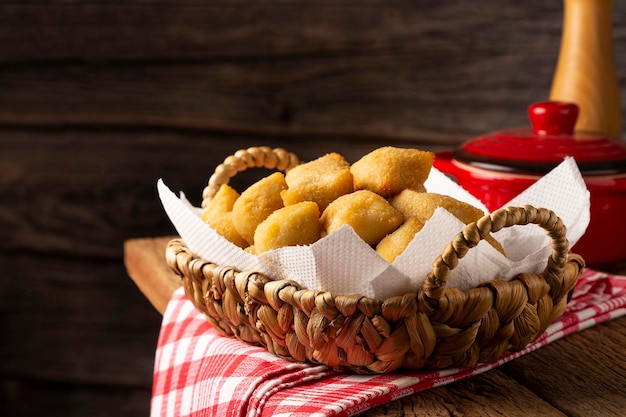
(99,100)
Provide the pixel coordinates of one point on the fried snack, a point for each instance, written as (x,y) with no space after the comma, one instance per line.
(396,242)
(223,225)
(422,206)
(388,170)
(218,213)
(321,180)
(256,203)
(296,224)
(221,203)
(370,215)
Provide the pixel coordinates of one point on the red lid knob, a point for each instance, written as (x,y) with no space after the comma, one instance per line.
(553,118)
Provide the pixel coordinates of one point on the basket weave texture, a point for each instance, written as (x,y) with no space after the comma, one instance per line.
(434,328)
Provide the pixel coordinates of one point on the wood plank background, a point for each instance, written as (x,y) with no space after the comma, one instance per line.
(99,100)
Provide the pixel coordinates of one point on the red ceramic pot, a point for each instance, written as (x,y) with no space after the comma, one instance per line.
(498,166)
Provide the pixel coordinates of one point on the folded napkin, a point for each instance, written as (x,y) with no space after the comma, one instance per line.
(198,372)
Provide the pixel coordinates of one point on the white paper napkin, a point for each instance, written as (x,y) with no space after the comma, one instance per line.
(344,264)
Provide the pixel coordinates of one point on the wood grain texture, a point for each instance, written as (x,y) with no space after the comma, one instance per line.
(143,259)
(82,192)
(596,369)
(74,320)
(99,100)
(26,397)
(375,97)
(432,72)
(379,71)
(137,30)
(489,394)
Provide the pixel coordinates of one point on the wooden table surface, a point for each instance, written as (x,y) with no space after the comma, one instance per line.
(583,374)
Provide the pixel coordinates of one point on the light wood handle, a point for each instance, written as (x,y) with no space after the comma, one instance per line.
(585,72)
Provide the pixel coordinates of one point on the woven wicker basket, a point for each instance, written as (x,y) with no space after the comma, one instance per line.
(437,327)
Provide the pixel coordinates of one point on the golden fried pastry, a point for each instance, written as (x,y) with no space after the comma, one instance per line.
(256,203)
(381,196)
(388,170)
(222,202)
(370,215)
(218,213)
(396,242)
(423,205)
(296,224)
(223,224)
(321,180)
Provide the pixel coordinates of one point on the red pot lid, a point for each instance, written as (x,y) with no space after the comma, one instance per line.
(541,148)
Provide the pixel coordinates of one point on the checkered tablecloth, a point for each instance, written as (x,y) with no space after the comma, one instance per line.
(198,372)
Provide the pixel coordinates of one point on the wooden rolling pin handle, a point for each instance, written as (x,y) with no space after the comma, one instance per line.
(585,72)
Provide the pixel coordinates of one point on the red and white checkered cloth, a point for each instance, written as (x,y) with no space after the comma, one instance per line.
(198,372)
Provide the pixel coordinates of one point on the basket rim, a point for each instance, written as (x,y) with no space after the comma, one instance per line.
(177,246)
